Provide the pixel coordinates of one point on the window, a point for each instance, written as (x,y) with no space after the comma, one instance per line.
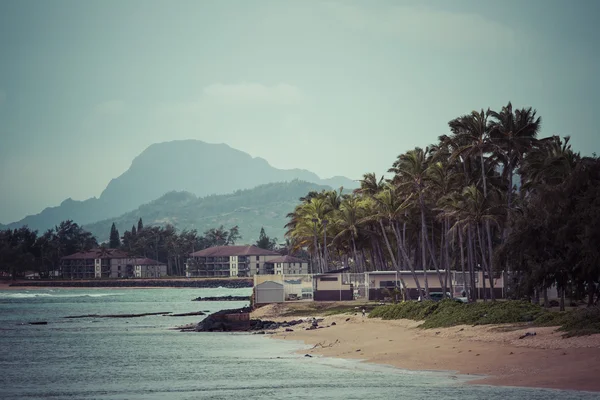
(328,279)
(389,284)
(257,258)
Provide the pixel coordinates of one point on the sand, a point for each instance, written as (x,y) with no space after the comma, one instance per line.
(491,354)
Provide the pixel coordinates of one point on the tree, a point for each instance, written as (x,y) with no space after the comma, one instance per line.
(115,239)
(265,242)
(133,230)
(140,225)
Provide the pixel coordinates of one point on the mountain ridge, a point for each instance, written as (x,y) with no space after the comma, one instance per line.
(190,165)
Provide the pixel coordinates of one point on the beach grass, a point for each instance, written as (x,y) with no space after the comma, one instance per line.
(448,313)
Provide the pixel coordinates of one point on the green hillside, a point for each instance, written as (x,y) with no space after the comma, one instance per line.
(263,206)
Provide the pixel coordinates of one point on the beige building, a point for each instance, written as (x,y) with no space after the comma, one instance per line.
(378,281)
(225,261)
(109,263)
(286,265)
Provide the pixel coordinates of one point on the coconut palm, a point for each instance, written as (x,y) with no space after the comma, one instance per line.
(515,134)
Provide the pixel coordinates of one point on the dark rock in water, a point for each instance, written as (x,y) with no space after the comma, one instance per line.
(187,314)
(289,330)
(348,319)
(307,355)
(238,320)
(226,320)
(333,323)
(39,323)
(223,298)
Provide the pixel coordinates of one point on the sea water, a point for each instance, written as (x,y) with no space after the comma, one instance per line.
(141,358)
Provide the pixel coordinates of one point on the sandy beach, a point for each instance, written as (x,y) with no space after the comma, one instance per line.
(493,354)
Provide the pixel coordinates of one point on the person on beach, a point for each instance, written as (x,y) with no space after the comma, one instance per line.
(364,312)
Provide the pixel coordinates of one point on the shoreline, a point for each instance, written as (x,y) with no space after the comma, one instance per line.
(135,283)
(486,355)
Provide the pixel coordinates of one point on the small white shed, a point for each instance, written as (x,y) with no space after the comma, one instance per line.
(269,292)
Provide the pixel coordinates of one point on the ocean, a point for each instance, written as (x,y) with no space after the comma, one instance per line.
(140,358)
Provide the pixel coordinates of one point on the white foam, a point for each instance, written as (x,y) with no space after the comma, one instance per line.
(52,295)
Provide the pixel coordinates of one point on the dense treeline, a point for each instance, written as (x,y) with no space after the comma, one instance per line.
(171,247)
(23,251)
(455,206)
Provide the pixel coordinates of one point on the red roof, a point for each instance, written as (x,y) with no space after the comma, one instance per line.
(97,253)
(228,251)
(286,259)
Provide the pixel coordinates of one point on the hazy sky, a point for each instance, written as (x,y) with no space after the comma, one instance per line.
(339,88)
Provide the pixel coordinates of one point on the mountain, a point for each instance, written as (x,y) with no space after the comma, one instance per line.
(264,206)
(192,166)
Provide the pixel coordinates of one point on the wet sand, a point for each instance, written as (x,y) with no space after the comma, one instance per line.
(493,354)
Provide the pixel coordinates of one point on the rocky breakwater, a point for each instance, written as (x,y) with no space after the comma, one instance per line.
(238,320)
(222,298)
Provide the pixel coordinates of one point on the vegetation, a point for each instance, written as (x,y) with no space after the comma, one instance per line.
(264,206)
(489,198)
(23,251)
(265,242)
(451,313)
(115,239)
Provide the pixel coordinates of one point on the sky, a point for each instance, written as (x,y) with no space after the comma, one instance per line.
(335,87)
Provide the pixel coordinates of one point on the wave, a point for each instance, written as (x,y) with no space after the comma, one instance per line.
(52,295)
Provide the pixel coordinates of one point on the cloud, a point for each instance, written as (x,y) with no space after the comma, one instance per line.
(112,107)
(253,94)
(450,30)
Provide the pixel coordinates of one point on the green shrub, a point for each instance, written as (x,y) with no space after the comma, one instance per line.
(451,313)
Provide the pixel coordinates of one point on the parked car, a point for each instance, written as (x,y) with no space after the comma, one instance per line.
(438,296)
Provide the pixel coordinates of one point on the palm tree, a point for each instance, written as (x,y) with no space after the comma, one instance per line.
(390,209)
(515,134)
(347,224)
(410,171)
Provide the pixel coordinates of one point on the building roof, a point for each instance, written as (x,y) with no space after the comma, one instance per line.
(285,259)
(228,251)
(334,271)
(418,272)
(97,253)
(146,261)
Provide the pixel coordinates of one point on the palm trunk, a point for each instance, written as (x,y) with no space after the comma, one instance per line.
(471,256)
(408,262)
(490,256)
(483,261)
(389,247)
(427,245)
(356,264)
(462,260)
(447,254)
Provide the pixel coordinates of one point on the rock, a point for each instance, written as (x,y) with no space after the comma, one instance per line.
(38,323)
(347,319)
(289,330)
(307,355)
(223,298)
(333,323)
(527,334)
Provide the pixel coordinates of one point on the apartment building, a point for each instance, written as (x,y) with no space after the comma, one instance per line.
(225,261)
